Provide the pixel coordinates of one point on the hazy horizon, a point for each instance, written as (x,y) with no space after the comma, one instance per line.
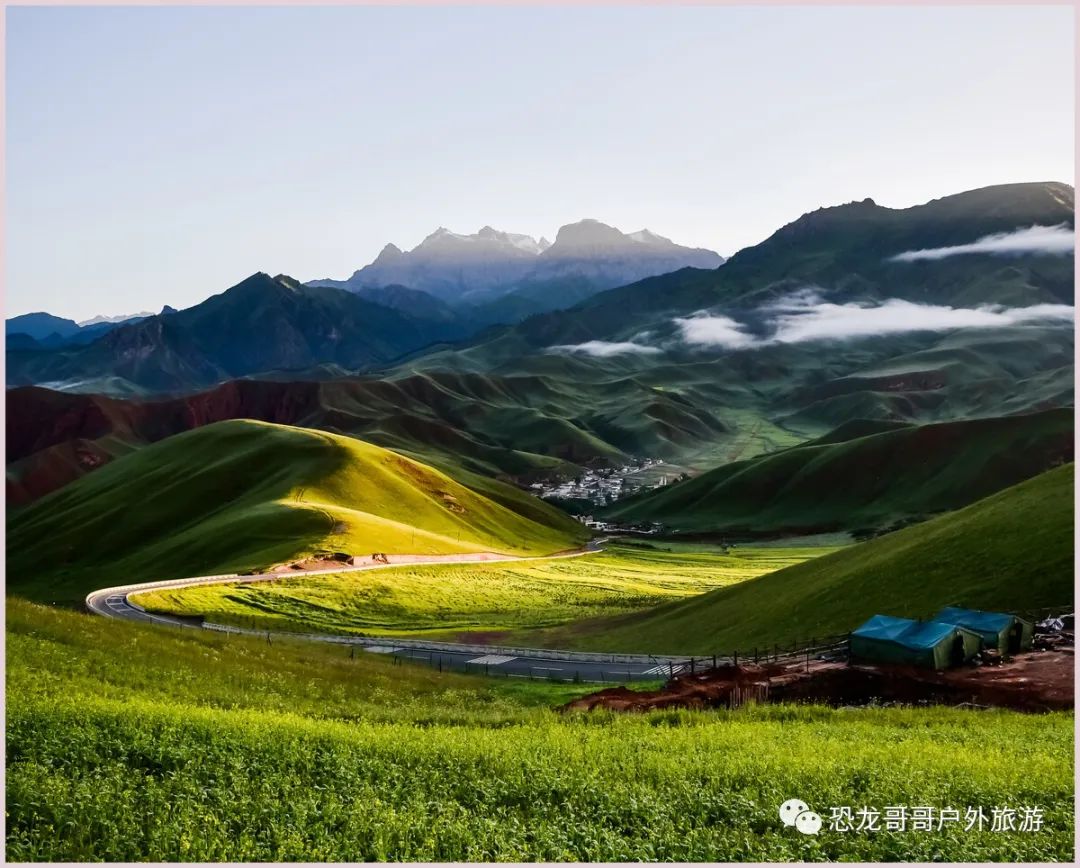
(159,155)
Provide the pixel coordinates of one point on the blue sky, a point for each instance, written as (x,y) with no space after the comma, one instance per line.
(160,155)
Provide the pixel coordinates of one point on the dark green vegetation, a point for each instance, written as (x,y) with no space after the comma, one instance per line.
(846,250)
(242,495)
(864,482)
(229,749)
(1009,552)
(550,414)
(516,403)
(448,600)
(132,743)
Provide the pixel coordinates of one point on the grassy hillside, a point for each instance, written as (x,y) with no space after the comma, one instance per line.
(242,494)
(448,600)
(848,247)
(868,481)
(216,748)
(505,409)
(1013,550)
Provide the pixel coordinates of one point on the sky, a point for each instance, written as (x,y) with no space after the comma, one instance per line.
(160,155)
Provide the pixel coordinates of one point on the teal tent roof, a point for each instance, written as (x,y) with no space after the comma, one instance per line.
(973,619)
(904,631)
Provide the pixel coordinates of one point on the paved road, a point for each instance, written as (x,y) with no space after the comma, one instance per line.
(487,659)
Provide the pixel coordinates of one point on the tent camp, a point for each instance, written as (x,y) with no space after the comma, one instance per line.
(936,644)
(1007,633)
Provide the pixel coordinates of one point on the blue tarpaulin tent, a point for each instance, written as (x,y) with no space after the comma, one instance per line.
(936,644)
(998,630)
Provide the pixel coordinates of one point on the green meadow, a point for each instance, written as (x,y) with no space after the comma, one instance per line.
(673,597)
(1011,551)
(862,475)
(448,600)
(131,743)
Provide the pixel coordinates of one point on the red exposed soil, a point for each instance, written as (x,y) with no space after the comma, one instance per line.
(47,430)
(1034,681)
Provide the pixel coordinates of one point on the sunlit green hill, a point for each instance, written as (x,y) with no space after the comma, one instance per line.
(243,494)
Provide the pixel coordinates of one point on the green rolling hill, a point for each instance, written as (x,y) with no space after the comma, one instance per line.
(529,402)
(541,414)
(1011,551)
(865,482)
(242,494)
(848,248)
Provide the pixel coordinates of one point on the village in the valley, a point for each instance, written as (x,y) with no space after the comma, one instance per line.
(601,487)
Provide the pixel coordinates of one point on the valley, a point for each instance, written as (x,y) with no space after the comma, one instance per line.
(607,445)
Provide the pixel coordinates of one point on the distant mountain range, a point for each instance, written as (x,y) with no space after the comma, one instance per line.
(849,251)
(262,324)
(503,277)
(43,330)
(124,317)
(40,325)
(953,310)
(454,284)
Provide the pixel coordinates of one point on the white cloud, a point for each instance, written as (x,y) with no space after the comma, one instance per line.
(603,349)
(1035,239)
(804,316)
(827,321)
(704,329)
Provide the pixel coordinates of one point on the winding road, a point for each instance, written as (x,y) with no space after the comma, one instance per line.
(494,660)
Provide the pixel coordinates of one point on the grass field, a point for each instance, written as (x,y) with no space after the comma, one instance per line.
(914,470)
(1011,551)
(241,494)
(127,743)
(448,600)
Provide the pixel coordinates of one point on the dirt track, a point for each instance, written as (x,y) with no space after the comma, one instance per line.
(1034,681)
(321,564)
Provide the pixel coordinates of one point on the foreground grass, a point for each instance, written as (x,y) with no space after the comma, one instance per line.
(134,743)
(449,600)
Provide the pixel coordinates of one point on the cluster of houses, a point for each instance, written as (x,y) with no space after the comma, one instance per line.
(601,486)
(611,527)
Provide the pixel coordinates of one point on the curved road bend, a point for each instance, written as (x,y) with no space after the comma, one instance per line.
(490,659)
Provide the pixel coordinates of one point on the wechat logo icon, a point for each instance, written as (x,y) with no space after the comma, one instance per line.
(795,812)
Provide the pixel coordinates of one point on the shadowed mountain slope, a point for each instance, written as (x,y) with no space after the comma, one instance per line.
(1009,552)
(865,482)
